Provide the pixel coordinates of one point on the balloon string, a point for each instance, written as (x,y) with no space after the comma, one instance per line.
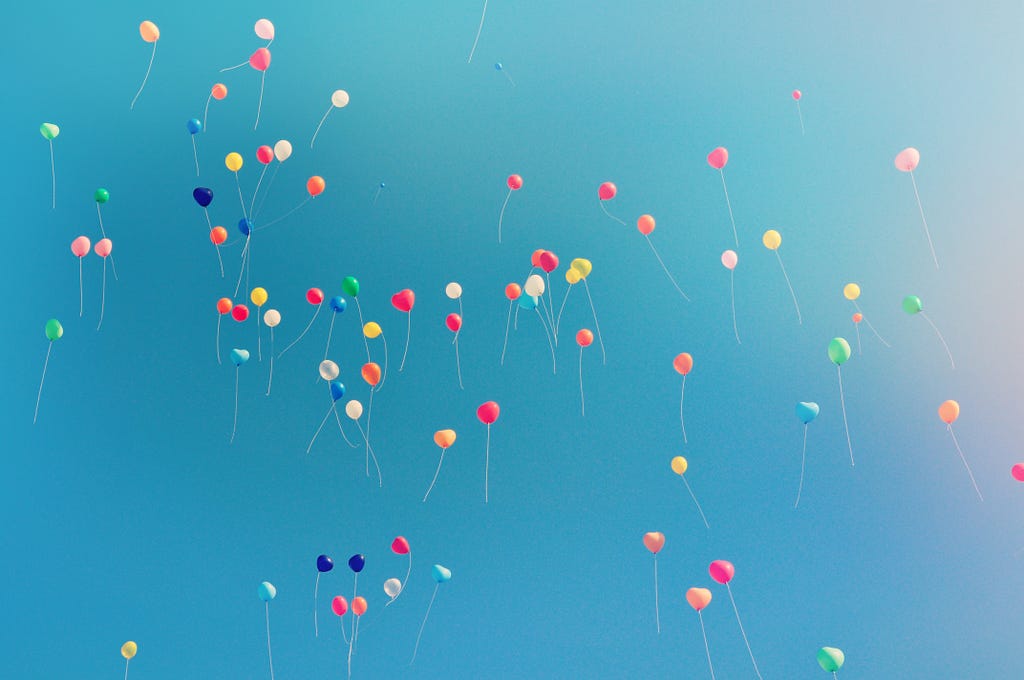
(508,323)
(342,430)
(458,363)
(434,480)
(404,582)
(699,509)
(478,29)
(126,668)
(195,154)
(232,68)
(316,588)
(344,635)
(369,413)
(548,336)
(330,332)
(303,333)
(732,295)
(148,68)
(40,394)
(551,310)
(259,106)
(958,450)
(461,316)
(380,480)
(743,632)
(664,268)
(583,404)
(408,335)
(257,191)
(270,655)
(548,314)
(320,125)
(362,325)
(217,340)
(206,111)
(417,647)
(351,641)
(375,196)
(220,260)
(856,327)
(209,224)
(597,326)
(99,213)
(270,184)
(322,423)
(103,294)
(241,269)
(385,376)
(515,322)
(728,204)
(796,304)
(707,649)
(241,200)
(501,215)
(657,615)
(601,203)
(259,335)
(842,402)
(287,214)
(509,77)
(558,319)
(682,393)
(941,339)
(234,424)
(487,462)
(270,378)
(798,113)
(80,303)
(868,322)
(923,220)
(803,460)
(53,176)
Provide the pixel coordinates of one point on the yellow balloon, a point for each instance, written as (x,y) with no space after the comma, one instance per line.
(582,266)
(771,239)
(572,276)
(851,291)
(234,161)
(679,465)
(258,296)
(372,330)
(129,649)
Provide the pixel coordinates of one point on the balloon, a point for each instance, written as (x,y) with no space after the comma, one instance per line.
(645,225)
(831,659)
(534,285)
(103,247)
(535,257)
(233,161)
(53,330)
(654,541)
(771,239)
(453,290)
(851,291)
(440,574)
(350,285)
(354,409)
(528,302)
(858,317)
(219,91)
(838,351)
(224,305)
(329,370)
(729,259)
(271,318)
(584,267)
(194,126)
(513,291)
(314,296)
(607,191)
(683,363)
(400,546)
(548,261)
(679,465)
(324,563)
(488,412)
(203,196)
(357,562)
(912,304)
(282,150)
(337,390)
(718,158)
(339,99)
(258,296)
(806,411)
(515,182)
(80,246)
(245,226)
(698,598)
(339,304)
(444,438)
(721,571)
(264,29)
(359,606)
(260,59)
(240,313)
(239,357)
(1018,472)
(392,587)
(584,337)
(949,411)
(371,374)
(101,195)
(129,649)
(49,131)
(907,160)
(572,277)
(372,330)
(797,94)
(339,605)
(454,322)
(149,32)
(218,235)
(315,185)
(267,591)
(264,154)
(403,300)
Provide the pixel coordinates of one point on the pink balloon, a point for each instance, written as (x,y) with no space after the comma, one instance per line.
(314,296)
(698,598)
(1018,472)
(606,191)
(260,59)
(654,541)
(718,158)
(80,246)
(907,160)
(797,94)
(729,259)
(264,29)
(722,571)
(359,605)
(339,605)
(103,247)
(400,546)
(264,155)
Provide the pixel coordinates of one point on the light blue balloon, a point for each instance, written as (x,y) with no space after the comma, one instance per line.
(528,302)
(806,411)
(441,574)
(497,67)
(267,591)
(194,126)
(239,356)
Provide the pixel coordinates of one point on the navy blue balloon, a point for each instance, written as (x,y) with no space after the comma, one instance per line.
(203,196)
(337,392)
(357,562)
(339,304)
(245,226)
(194,126)
(324,563)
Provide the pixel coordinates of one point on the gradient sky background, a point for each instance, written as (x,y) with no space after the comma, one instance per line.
(129,516)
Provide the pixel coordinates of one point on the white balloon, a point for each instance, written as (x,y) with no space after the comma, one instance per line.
(271,317)
(534,285)
(339,99)
(282,150)
(329,370)
(354,409)
(392,587)
(264,29)
(453,290)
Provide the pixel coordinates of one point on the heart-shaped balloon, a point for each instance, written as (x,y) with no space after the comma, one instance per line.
(260,59)
(203,196)
(444,438)
(718,158)
(400,546)
(722,571)
(324,563)
(907,160)
(698,597)
(403,300)
(654,541)
(806,411)
(441,574)
(239,356)
(356,563)
(488,412)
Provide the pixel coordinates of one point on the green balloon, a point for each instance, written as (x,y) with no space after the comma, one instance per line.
(831,659)
(350,285)
(838,351)
(53,329)
(101,195)
(49,130)
(912,304)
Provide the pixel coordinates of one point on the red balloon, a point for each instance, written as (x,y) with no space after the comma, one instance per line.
(260,59)
(513,291)
(264,154)
(606,191)
(515,182)
(548,261)
(721,571)
(488,412)
(403,300)
(315,185)
(400,546)
(240,313)
(683,363)
(454,322)
(535,257)
(584,337)
(314,296)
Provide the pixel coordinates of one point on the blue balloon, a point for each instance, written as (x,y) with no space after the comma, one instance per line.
(356,563)
(382,185)
(806,411)
(527,302)
(497,67)
(337,390)
(194,126)
(339,304)
(267,591)
(324,563)
(239,356)
(441,574)
(245,226)
(203,196)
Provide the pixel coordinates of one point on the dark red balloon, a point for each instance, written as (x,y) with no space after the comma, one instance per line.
(548,261)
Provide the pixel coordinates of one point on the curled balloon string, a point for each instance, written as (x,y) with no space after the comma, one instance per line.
(220,260)
(842,403)
(597,326)
(103,293)
(40,393)
(743,632)
(286,215)
(803,460)
(508,323)
(209,224)
(682,393)
(941,339)
(352,639)
(259,335)
(962,458)
(270,377)
(601,203)
(462,317)
(550,310)
(695,502)
(344,436)
(664,268)
(369,414)
(422,625)
(103,233)
(270,655)
(259,106)
(195,154)
(548,336)
(728,204)
(408,335)
(541,305)
(304,331)
(241,199)
(657,615)
(384,375)
(477,38)
(796,304)
(434,480)
(126,661)
(923,220)
(375,197)
(232,68)
(380,481)
(145,78)
(868,322)
(501,215)
(206,113)
(487,469)
(707,649)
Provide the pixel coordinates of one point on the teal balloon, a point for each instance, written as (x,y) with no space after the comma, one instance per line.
(350,285)
(267,591)
(838,351)
(239,356)
(912,304)
(806,411)
(527,302)
(831,659)
(441,574)
(101,195)
(54,330)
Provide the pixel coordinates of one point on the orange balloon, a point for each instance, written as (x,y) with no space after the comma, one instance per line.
(149,32)
(224,305)
(359,605)
(584,337)
(513,291)
(645,225)
(444,438)
(698,598)
(654,541)
(371,374)
(858,317)
(218,235)
(683,363)
(535,257)
(315,185)
(219,91)
(949,411)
